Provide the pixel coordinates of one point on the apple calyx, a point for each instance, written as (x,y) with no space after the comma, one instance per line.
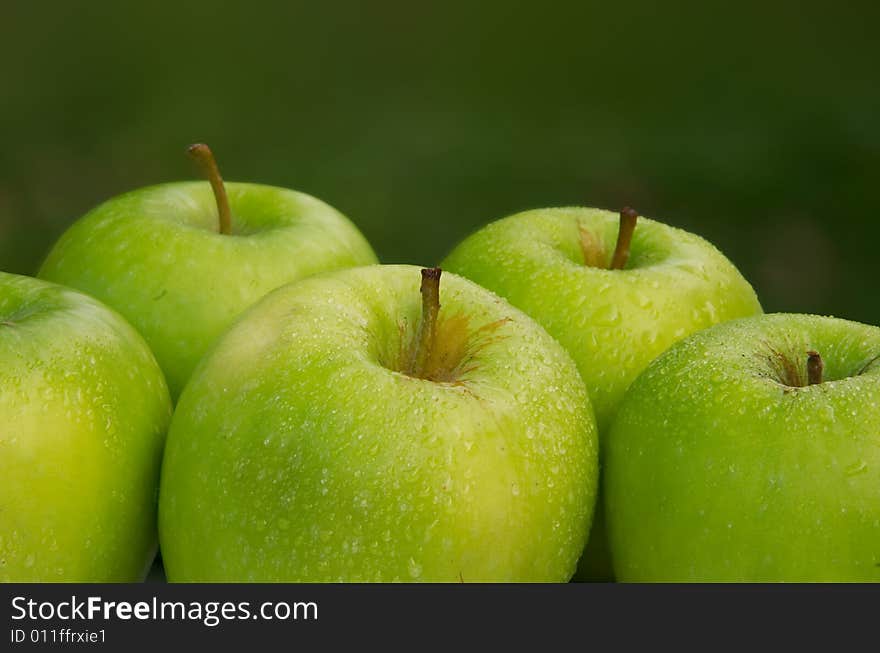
(628,219)
(815,368)
(427,334)
(203,155)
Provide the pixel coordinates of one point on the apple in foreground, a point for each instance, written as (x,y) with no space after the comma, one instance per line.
(85,409)
(346,430)
(614,294)
(751,452)
(181,270)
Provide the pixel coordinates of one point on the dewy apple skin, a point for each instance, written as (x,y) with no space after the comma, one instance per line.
(182,260)
(615,291)
(751,452)
(351,428)
(85,409)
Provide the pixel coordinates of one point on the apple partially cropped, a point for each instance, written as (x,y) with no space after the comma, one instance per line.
(84,409)
(351,428)
(614,291)
(182,260)
(751,452)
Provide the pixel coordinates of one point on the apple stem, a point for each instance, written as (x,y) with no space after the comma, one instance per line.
(815,368)
(202,154)
(628,218)
(430,290)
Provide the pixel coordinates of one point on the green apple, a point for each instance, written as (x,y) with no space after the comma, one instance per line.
(613,294)
(751,452)
(344,430)
(181,270)
(85,408)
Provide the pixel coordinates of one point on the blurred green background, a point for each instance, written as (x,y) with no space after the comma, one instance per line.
(755,126)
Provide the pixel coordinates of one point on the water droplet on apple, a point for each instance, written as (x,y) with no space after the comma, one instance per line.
(711,312)
(414,568)
(607,315)
(857,468)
